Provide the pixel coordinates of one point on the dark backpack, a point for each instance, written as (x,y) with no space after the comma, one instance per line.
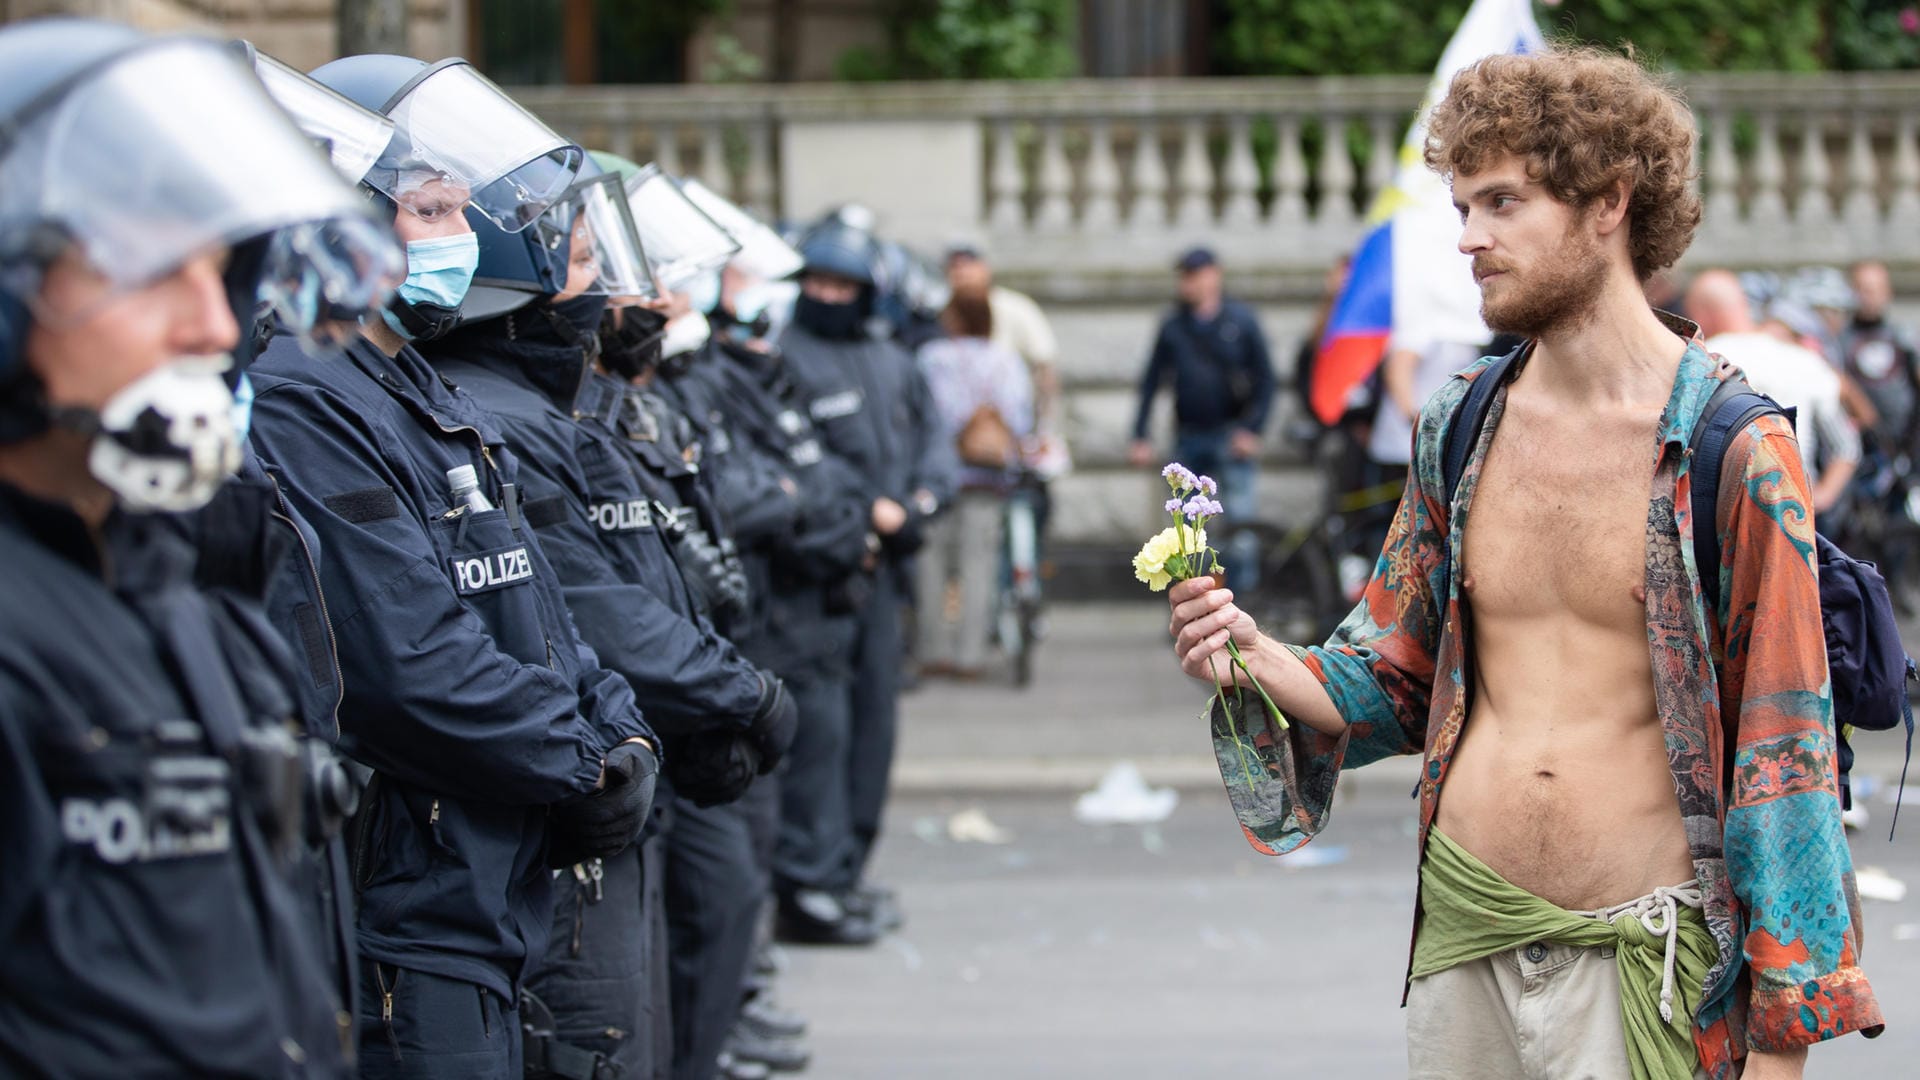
(1868,668)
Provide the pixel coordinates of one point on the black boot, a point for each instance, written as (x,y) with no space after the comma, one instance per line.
(817,917)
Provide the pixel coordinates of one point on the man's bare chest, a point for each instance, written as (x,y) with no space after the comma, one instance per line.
(1558,522)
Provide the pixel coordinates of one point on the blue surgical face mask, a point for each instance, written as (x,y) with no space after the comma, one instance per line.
(242,406)
(751,302)
(439,272)
(703,292)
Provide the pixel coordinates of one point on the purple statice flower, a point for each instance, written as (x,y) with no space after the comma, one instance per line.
(1201,507)
(1173,505)
(1178,476)
(1206,485)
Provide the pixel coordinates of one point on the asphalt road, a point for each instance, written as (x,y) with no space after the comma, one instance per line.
(1174,950)
(1171,950)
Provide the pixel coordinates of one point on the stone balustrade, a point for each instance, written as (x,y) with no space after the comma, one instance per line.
(1086,183)
(1085,191)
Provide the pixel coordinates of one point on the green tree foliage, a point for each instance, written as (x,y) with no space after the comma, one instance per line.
(1357,37)
(1332,37)
(1875,34)
(970,39)
(1700,35)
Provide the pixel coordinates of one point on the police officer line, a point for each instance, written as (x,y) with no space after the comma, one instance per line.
(454,578)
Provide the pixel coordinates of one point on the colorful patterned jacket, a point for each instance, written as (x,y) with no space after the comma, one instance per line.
(1747,714)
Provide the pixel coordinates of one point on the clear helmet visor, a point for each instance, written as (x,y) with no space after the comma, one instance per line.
(459,134)
(140,180)
(680,241)
(762,252)
(321,278)
(604,249)
(354,137)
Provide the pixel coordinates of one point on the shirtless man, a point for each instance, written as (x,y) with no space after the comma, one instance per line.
(1645,802)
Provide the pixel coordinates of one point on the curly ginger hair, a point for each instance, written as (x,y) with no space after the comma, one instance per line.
(1583,120)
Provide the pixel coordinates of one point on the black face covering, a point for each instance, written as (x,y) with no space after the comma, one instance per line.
(582,313)
(424,322)
(835,322)
(726,325)
(632,348)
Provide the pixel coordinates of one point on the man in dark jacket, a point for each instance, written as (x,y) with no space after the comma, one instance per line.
(1211,348)
(872,408)
(500,746)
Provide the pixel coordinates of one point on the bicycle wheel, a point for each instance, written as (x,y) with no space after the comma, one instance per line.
(1297,592)
(1025,611)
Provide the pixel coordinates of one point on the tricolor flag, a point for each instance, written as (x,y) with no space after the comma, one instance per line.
(1408,274)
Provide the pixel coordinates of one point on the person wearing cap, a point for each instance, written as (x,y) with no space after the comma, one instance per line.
(1211,348)
(499,745)
(151,788)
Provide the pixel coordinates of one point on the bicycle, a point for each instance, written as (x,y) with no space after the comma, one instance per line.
(1882,526)
(1312,573)
(1017,610)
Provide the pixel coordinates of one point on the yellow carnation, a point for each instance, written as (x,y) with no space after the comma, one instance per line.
(1150,565)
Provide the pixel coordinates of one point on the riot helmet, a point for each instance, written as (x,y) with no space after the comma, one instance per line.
(837,284)
(682,242)
(109,189)
(458,141)
(762,251)
(350,267)
(585,245)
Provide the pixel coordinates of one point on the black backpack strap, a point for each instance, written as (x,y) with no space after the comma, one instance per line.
(1733,406)
(1464,432)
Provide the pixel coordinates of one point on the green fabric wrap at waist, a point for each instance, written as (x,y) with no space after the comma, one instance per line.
(1660,944)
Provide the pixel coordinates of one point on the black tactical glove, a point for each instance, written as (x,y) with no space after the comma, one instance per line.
(602,824)
(774,723)
(739,590)
(714,767)
(912,534)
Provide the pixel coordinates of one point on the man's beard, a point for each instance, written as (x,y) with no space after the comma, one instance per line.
(1561,292)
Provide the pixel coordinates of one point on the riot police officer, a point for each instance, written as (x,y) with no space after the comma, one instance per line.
(150,787)
(254,544)
(715,890)
(872,407)
(499,745)
(800,520)
(526,342)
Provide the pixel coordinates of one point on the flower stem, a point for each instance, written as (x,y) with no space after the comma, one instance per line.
(1233,727)
(1240,662)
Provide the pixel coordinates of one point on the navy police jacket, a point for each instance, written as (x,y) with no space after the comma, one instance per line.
(255,552)
(145,926)
(803,571)
(466,687)
(872,407)
(601,530)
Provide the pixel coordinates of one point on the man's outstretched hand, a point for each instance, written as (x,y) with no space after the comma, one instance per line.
(1204,618)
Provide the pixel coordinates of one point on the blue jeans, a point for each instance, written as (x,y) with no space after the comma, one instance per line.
(1206,453)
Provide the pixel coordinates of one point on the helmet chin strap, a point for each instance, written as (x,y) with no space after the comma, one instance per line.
(425,321)
(587,342)
(630,350)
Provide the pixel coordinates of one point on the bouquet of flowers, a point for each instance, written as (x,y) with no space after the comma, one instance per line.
(1181,552)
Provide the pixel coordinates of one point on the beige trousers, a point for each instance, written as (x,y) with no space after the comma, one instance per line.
(1537,1012)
